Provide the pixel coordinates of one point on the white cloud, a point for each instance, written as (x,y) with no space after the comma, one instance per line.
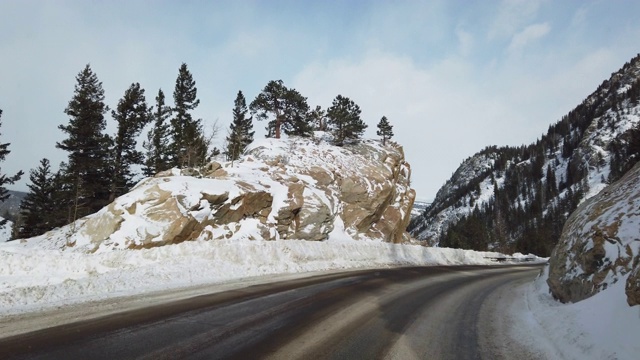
(524,37)
(465,42)
(430,108)
(511,16)
(441,73)
(447,111)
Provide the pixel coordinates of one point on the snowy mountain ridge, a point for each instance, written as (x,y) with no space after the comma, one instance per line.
(517,195)
(444,207)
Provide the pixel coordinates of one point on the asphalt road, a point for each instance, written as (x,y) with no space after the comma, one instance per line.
(404,313)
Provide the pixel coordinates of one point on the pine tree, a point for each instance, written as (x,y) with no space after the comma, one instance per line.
(157,144)
(39,211)
(197,146)
(240,134)
(344,118)
(297,111)
(288,108)
(188,147)
(385,130)
(633,151)
(88,172)
(132,115)
(318,116)
(552,187)
(4,179)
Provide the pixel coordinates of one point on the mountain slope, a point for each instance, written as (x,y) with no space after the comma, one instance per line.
(518,198)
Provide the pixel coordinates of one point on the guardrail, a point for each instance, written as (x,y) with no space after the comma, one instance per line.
(506,258)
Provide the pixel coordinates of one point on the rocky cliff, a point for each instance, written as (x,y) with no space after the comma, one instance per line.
(600,244)
(281,189)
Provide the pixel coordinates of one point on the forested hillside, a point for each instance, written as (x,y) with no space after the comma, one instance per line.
(518,198)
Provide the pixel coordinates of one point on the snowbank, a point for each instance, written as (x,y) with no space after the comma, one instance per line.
(33,279)
(5,231)
(600,327)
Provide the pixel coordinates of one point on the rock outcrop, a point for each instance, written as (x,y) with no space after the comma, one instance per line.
(281,189)
(600,244)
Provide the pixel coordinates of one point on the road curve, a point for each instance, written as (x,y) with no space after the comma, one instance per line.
(401,313)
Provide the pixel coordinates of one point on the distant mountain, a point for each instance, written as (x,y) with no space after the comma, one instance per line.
(10,208)
(518,198)
(418,208)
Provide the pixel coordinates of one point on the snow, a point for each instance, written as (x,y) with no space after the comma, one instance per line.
(5,232)
(35,279)
(601,327)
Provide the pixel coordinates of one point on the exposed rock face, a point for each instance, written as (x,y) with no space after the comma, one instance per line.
(282,189)
(632,288)
(600,244)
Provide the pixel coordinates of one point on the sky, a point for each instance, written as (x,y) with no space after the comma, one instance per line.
(452,77)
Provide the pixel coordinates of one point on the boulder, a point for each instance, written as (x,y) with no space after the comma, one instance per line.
(250,204)
(291,189)
(600,244)
(632,287)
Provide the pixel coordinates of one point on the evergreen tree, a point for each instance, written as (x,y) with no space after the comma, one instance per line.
(240,134)
(188,147)
(344,118)
(157,144)
(633,151)
(385,130)
(88,172)
(132,115)
(318,116)
(288,108)
(552,187)
(4,179)
(197,146)
(39,211)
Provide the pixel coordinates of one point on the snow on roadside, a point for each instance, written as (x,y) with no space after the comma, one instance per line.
(600,327)
(33,279)
(5,231)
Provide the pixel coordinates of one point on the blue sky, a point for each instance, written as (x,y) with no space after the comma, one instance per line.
(451,76)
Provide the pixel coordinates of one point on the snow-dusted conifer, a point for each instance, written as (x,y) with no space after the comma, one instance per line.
(189,146)
(344,118)
(385,130)
(4,179)
(288,108)
(132,115)
(39,210)
(157,144)
(240,131)
(88,172)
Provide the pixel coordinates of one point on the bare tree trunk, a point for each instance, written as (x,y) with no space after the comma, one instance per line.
(278,123)
(75,203)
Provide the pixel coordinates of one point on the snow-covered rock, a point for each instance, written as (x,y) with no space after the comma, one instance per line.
(600,244)
(292,188)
